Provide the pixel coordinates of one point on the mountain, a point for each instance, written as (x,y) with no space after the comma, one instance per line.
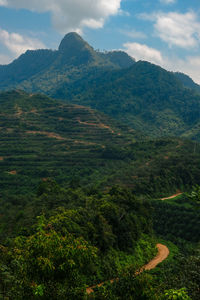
(42,138)
(140,94)
(187,81)
(89,179)
(145,96)
(42,70)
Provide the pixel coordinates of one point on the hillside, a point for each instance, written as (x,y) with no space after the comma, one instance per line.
(43,138)
(43,70)
(144,96)
(187,81)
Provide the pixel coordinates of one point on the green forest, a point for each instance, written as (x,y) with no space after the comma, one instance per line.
(86,178)
(63,240)
(80,205)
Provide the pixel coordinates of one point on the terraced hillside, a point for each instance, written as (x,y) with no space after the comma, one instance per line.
(144,96)
(42,138)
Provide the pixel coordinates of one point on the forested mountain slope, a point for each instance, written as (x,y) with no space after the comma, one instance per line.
(187,81)
(143,95)
(43,70)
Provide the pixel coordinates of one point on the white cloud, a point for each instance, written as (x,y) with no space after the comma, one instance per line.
(18,44)
(182,30)
(71,15)
(190,65)
(168,1)
(143,52)
(176,29)
(5,59)
(124,13)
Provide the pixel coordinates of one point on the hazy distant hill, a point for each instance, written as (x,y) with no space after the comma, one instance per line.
(42,138)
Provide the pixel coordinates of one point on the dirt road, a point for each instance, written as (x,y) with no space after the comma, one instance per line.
(171,197)
(163,253)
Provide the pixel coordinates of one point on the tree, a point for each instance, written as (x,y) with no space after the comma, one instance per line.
(195,196)
(180,294)
(50,264)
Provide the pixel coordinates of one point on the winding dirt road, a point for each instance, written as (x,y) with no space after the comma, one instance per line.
(162,254)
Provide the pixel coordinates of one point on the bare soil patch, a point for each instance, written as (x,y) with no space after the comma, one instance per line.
(48,134)
(14,172)
(163,253)
(9,130)
(100,125)
(19,111)
(33,111)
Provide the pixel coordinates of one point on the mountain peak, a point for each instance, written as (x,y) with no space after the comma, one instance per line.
(73,41)
(74,50)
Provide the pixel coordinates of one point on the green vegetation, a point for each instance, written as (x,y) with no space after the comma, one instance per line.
(43,138)
(43,70)
(177,294)
(194,197)
(142,95)
(80,198)
(91,239)
(187,81)
(178,218)
(84,237)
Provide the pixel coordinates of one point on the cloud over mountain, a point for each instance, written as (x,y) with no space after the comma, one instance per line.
(68,15)
(143,52)
(17,44)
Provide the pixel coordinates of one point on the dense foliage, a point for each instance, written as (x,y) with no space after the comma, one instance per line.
(43,138)
(179,219)
(92,238)
(43,70)
(85,237)
(145,96)
(187,81)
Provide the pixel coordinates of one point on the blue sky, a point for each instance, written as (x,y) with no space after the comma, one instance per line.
(164,32)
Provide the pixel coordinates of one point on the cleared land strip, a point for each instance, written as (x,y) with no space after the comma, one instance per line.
(171,197)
